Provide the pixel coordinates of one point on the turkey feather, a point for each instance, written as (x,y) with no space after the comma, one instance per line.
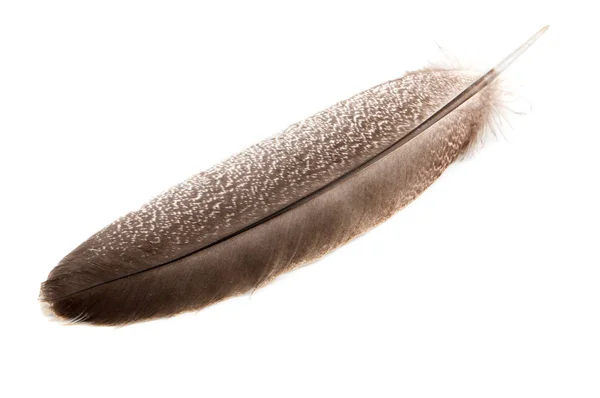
(281,203)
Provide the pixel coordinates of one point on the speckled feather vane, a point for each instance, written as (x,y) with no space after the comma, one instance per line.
(281,203)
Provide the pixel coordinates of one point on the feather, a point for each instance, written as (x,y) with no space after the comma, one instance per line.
(281,203)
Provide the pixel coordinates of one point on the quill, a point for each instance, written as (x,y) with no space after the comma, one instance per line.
(278,204)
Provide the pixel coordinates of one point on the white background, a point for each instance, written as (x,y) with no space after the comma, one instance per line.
(487,286)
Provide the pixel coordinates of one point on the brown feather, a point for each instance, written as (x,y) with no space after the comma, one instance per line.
(283,202)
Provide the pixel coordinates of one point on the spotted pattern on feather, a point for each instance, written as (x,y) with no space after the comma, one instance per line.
(265,177)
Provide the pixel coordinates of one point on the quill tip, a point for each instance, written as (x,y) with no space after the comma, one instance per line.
(519,51)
